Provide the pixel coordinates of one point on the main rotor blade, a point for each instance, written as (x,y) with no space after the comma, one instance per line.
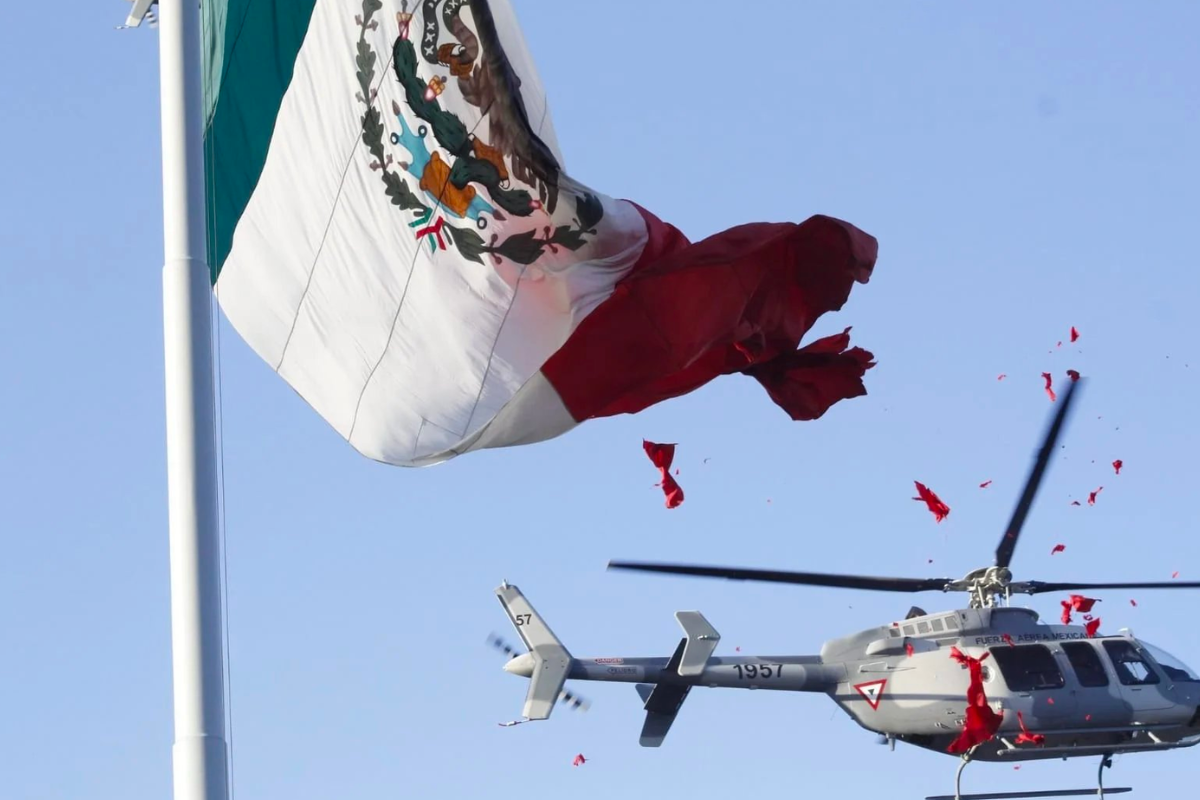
(1008,542)
(1039,587)
(805,578)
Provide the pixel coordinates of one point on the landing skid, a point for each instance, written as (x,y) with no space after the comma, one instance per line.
(1099,791)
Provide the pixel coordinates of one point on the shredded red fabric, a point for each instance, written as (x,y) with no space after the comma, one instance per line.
(1058,548)
(662,455)
(579,760)
(1074,335)
(1133,602)
(807,382)
(1117,465)
(1066,612)
(1087,617)
(985,484)
(981,722)
(1001,376)
(939,509)
(1008,640)
(1081,603)
(1049,387)
(1091,627)
(1025,736)
(908,648)
(1092,496)
(737,302)
(1073,374)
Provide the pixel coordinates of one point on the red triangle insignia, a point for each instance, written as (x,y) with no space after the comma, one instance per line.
(872,692)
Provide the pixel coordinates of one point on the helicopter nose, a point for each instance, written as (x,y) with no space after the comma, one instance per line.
(521,665)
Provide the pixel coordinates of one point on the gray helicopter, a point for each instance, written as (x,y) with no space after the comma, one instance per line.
(1071,694)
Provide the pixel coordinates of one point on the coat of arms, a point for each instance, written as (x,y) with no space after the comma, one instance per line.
(452,181)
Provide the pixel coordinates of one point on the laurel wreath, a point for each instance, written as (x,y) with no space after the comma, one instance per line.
(525,247)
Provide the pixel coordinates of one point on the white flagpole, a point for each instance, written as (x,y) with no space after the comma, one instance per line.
(200,754)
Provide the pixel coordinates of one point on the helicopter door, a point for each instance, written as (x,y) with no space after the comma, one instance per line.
(1140,685)
(1035,683)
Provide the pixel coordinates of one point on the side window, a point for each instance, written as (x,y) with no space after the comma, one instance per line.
(1132,669)
(1086,663)
(1028,667)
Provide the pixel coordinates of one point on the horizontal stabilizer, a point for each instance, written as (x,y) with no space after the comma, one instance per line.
(701,640)
(1047,793)
(551,661)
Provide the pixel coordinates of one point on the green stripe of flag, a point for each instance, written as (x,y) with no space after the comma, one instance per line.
(250,49)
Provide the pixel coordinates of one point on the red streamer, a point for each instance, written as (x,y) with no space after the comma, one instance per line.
(662,455)
(939,509)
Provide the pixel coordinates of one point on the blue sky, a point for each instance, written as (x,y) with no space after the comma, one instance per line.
(1025,169)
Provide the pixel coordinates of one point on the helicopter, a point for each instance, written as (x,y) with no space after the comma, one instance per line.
(1059,691)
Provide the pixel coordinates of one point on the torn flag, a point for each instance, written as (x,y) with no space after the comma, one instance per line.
(391,228)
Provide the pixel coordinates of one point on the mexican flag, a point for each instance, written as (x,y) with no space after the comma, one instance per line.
(392,228)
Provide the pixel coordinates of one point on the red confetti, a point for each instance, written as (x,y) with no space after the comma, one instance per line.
(1087,717)
(1001,376)
(1081,603)
(1074,502)
(939,509)
(1117,465)
(1091,627)
(1074,335)
(1050,700)
(1058,345)
(1175,574)
(1133,602)
(662,455)
(1073,374)
(1025,736)
(982,722)
(1058,548)
(1007,639)
(908,648)
(1066,612)
(737,649)
(579,759)
(1049,384)
(985,484)
(1092,496)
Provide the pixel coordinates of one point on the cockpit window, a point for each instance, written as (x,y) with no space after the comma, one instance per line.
(1027,667)
(1132,669)
(1175,669)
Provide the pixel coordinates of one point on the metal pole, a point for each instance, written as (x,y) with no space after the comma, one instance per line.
(200,754)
